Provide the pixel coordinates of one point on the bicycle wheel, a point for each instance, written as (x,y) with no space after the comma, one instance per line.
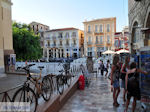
(46,88)
(60,84)
(26,94)
(68,79)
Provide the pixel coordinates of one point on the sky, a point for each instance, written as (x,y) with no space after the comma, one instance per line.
(69,13)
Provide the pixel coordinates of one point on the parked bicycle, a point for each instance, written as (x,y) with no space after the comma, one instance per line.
(27,94)
(64,78)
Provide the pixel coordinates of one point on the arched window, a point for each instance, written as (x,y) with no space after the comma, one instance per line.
(135,33)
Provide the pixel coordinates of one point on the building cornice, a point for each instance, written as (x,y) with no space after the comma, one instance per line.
(102,19)
(8,1)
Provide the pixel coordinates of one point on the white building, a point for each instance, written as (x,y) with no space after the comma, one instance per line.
(63,43)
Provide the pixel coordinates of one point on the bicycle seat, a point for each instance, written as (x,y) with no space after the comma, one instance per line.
(40,67)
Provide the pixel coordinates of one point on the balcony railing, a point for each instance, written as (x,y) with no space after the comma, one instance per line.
(73,45)
(89,32)
(67,45)
(60,45)
(53,37)
(89,43)
(46,38)
(60,36)
(73,36)
(53,45)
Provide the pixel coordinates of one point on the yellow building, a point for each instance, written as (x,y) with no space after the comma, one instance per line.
(99,36)
(6,42)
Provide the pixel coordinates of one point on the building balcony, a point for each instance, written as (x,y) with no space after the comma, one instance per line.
(89,43)
(98,33)
(73,36)
(60,45)
(108,44)
(89,32)
(67,45)
(60,36)
(47,38)
(53,45)
(53,37)
(73,45)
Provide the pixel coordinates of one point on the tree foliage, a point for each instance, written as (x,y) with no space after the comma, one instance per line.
(26,43)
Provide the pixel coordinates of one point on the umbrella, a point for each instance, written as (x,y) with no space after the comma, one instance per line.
(109,52)
(122,51)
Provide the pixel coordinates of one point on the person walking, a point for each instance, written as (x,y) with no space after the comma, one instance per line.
(107,67)
(132,85)
(99,68)
(124,69)
(102,67)
(115,71)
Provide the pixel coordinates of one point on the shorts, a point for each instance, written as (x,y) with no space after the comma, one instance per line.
(116,83)
(106,70)
(123,84)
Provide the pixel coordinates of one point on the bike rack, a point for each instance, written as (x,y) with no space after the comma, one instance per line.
(6,95)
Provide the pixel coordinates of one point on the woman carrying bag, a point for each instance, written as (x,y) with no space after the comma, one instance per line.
(124,70)
(132,85)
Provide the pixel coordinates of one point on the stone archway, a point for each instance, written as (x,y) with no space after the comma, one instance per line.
(134,37)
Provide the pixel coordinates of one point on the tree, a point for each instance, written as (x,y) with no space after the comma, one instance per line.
(26,43)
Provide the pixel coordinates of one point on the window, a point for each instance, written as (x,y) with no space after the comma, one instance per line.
(108,39)
(108,27)
(74,49)
(89,40)
(67,34)
(96,28)
(37,28)
(89,29)
(60,42)
(101,28)
(116,43)
(54,43)
(67,42)
(90,49)
(96,40)
(74,42)
(60,35)
(101,39)
(48,43)
(33,27)
(73,34)
(2,13)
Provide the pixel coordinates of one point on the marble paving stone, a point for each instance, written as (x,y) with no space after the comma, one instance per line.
(96,98)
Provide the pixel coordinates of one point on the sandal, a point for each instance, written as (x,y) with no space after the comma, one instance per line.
(116,104)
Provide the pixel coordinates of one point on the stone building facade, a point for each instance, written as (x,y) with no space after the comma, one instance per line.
(39,28)
(63,43)
(122,40)
(139,24)
(6,40)
(99,36)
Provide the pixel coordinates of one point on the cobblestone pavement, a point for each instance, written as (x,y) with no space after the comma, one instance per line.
(96,98)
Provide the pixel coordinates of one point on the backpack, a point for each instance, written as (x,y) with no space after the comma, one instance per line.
(102,67)
(133,83)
